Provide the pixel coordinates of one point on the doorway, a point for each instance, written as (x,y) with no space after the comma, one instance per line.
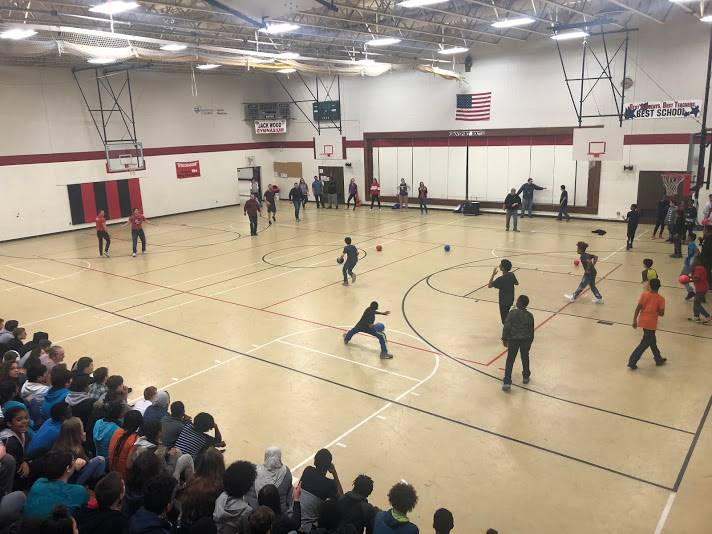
(335,174)
(245,175)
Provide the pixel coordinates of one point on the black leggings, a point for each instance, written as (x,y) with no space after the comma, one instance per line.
(348,200)
(659,223)
(375,198)
(135,236)
(103,235)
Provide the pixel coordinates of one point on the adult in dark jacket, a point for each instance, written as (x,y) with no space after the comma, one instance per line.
(512,202)
(355,508)
(403,499)
(331,194)
(106,518)
(564,205)
(517,336)
(527,191)
(661,213)
(157,503)
(295,195)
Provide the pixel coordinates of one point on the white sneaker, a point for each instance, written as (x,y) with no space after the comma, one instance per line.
(597,301)
(106,254)
(570,298)
(134,254)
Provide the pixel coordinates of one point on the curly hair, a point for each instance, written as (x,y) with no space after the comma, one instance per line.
(403,497)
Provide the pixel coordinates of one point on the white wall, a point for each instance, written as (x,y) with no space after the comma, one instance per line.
(47,116)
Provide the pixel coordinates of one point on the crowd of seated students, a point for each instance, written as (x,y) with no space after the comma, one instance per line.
(76,457)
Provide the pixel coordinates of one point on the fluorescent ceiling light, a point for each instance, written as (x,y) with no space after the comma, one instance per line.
(453,50)
(281,27)
(510,23)
(288,55)
(576,34)
(114,7)
(383,41)
(102,60)
(207,66)
(17,33)
(419,3)
(287,71)
(173,47)
(706,18)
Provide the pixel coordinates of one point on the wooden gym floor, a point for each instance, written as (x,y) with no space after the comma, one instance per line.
(249,329)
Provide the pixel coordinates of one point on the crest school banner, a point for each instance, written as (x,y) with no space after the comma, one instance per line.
(667,109)
(187,169)
(271,127)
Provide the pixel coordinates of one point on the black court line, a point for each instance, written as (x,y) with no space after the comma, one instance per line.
(683,469)
(499,378)
(357,390)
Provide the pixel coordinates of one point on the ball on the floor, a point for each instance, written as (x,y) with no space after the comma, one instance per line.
(683,279)
(379,327)
(447,248)
(577,262)
(379,248)
(340,260)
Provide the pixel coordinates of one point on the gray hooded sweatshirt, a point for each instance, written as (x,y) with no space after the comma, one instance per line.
(231,514)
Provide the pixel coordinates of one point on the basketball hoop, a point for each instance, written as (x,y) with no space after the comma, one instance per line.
(596,149)
(328,151)
(671,183)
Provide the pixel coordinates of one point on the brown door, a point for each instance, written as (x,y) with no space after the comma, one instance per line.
(650,191)
(334,174)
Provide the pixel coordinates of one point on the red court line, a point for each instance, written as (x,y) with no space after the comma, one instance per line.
(554,314)
(359,274)
(279,314)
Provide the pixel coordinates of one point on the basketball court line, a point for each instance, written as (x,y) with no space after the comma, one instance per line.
(361,364)
(364,392)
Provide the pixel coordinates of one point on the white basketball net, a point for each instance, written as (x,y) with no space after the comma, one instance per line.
(671,183)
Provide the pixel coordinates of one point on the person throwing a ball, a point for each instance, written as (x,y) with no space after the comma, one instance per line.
(351,253)
(367,326)
(588,261)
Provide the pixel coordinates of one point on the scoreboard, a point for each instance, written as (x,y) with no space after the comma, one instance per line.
(329,110)
(267,111)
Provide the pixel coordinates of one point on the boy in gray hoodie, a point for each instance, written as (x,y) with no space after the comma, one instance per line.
(231,508)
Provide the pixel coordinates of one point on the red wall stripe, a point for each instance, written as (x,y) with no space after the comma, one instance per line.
(112,199)
(135,194)
(60,157)
(88,202)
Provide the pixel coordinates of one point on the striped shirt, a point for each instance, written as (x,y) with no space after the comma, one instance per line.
(192,442)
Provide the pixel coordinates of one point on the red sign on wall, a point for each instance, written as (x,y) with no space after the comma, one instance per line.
(187,169)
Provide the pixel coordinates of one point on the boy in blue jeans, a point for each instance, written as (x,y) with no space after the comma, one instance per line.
(365,325)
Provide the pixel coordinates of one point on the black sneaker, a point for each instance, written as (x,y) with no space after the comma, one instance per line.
(506,387)
(690,296)
(525,380)
(632,366)
(660,362)
(386,356)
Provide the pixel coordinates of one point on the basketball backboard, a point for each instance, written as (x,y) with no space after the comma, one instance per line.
(598,144)
(124,156)
(329,145)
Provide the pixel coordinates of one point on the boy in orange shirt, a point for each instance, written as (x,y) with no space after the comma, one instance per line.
(650,307)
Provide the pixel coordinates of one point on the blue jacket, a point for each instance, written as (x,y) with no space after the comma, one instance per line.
(45,437)
(385,523)
(317,187)
(145,522)
(102,434)
(45,495)
(54,396)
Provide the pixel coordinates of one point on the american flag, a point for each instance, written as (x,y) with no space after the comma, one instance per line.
(474,107)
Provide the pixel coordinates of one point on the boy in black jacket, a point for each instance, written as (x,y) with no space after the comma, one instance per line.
(517,336)
(505,284)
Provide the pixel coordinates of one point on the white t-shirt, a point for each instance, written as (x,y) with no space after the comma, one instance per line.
(141,405)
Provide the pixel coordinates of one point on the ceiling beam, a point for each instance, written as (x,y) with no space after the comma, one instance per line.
(396,28)
(509,10)
(636,11)
(434,23)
